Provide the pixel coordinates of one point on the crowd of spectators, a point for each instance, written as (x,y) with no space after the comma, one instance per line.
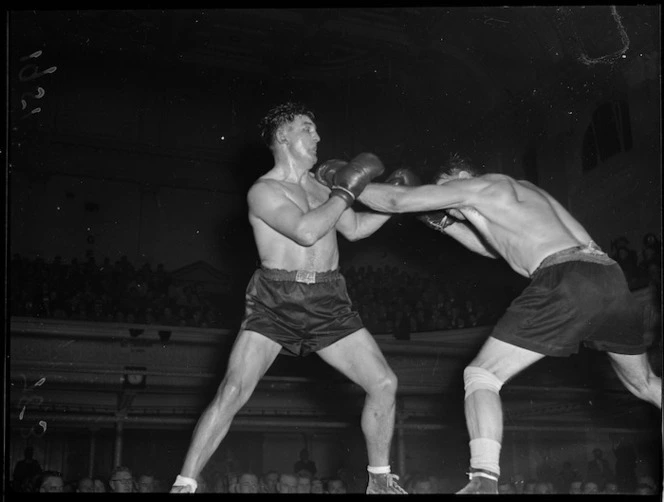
(598,477)
(393,301)
(644,268)
(108,292)
(390,300)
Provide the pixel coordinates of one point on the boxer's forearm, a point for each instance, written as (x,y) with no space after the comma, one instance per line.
(355,226)
(403,199)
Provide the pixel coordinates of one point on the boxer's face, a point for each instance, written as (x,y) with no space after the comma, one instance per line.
(301,136)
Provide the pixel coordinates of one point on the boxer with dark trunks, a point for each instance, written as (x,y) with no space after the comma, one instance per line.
(577,294)
(296,302)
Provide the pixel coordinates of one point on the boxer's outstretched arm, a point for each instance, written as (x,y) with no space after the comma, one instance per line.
(355,226)
(403,199)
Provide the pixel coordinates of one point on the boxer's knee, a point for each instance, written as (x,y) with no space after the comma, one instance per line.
(477,378)
(232,392)
(385,384)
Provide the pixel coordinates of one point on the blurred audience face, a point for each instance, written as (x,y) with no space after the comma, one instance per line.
(611,488)
(645,489)
(85,485)
(247,483)
(542,488)
(52,484)
(335,486)
(231,482)
(590,487)
(303,484)
(100,487)
(287,484)
(146,484)
(317,486)
(270,482)
(122,481)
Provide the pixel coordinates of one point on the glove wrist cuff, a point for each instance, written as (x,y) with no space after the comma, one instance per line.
(345,194)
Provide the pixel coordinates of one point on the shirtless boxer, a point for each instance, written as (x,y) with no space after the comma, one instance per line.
(296,302)
(576,294)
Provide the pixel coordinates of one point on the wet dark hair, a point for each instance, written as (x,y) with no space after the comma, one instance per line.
(454,165)
(280,115)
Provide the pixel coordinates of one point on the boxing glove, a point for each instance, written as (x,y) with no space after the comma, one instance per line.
(326,171)
(403,177)
(351,179)
(438,220)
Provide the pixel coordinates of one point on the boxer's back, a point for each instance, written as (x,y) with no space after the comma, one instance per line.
(522,222)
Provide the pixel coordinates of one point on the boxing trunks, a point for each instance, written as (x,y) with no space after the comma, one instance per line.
(578,295)
(300,310)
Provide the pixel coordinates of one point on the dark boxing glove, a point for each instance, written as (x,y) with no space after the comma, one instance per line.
(403,177)
(326,171)
(350,180)
(438,220)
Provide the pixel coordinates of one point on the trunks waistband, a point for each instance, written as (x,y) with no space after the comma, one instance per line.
(590,252)
(302,276)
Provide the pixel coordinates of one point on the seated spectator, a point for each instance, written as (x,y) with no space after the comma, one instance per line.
(317,486)
(610,488)
(304,481)
(122,480)
(645,480)
(49,482)
(543,488)
(645,489)
(146,483)
(149,317)
(590,487)
(336,486)
(269,482)
(232,479)
(247,483)
(576,487)
(100,485)
(287,483)
(85,485)
(167,317)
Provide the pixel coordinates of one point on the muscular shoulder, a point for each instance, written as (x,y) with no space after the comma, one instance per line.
(490,189)
(264,190)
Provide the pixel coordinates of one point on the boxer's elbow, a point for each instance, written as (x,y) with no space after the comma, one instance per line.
(393,204)
(305,236)
(404,200)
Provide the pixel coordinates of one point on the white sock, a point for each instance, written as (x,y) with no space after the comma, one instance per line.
(485,454)
(379,470)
